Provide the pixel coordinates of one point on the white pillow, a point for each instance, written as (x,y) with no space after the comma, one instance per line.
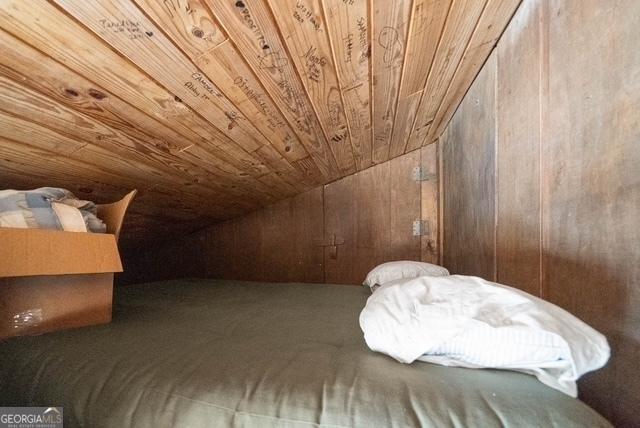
(405,269)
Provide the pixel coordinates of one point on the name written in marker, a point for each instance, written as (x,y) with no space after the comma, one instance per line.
(314,63)
(303,13)
(132,29)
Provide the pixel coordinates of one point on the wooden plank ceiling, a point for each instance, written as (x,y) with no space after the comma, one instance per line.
(213,108)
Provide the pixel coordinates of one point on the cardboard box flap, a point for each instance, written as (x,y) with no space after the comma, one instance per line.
(28,252)
(113,214)
(32,252)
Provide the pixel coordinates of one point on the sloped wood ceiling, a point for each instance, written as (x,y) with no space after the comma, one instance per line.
(212,108)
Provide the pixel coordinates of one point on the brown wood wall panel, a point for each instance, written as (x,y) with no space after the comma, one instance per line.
(277,243)
(568,193)
(468,160)
(367,239)
(340,230)
(405,207)
(334,234)
(591,186)
(370,214)
(430,204)
(518,252)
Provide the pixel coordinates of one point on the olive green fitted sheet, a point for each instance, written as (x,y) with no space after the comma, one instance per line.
(222,353)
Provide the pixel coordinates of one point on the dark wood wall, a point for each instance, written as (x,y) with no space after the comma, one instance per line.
(468,162)
(335,233)
(279,243)
(179,258)
(540,176)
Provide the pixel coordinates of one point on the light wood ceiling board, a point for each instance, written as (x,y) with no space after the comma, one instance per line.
(142,42)
(348,30)
(494,20)
(39,72)
(25,64)
(36,165)
(282,168)
(274,181)
(425,28)
(47,138)
(85,54)
(188,22)
(26,167)
(255,33)
(461,23)
(223,65)
(304,31)
(389,28)
(39,167)
(22,101)
(16,129)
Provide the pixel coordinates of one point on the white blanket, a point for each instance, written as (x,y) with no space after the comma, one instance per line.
(469,322)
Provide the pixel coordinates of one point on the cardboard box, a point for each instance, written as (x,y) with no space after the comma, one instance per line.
(52,280)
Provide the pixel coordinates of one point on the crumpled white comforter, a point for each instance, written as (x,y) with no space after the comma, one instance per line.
(469,322)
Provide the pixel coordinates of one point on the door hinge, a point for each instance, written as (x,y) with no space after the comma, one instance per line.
(420,227)
(419,173)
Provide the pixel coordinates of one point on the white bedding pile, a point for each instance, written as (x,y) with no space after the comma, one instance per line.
(469,322)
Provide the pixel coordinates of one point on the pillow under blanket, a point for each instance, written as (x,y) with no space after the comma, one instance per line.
(401,269)
(48,208)
(469,322)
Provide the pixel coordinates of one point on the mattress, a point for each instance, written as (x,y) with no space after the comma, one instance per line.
(203,353)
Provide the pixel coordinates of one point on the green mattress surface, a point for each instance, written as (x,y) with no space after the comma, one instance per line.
(204,353)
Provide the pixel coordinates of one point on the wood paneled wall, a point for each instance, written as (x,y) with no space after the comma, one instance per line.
(277,243)
(468,162)
(334,233)
(540,184)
